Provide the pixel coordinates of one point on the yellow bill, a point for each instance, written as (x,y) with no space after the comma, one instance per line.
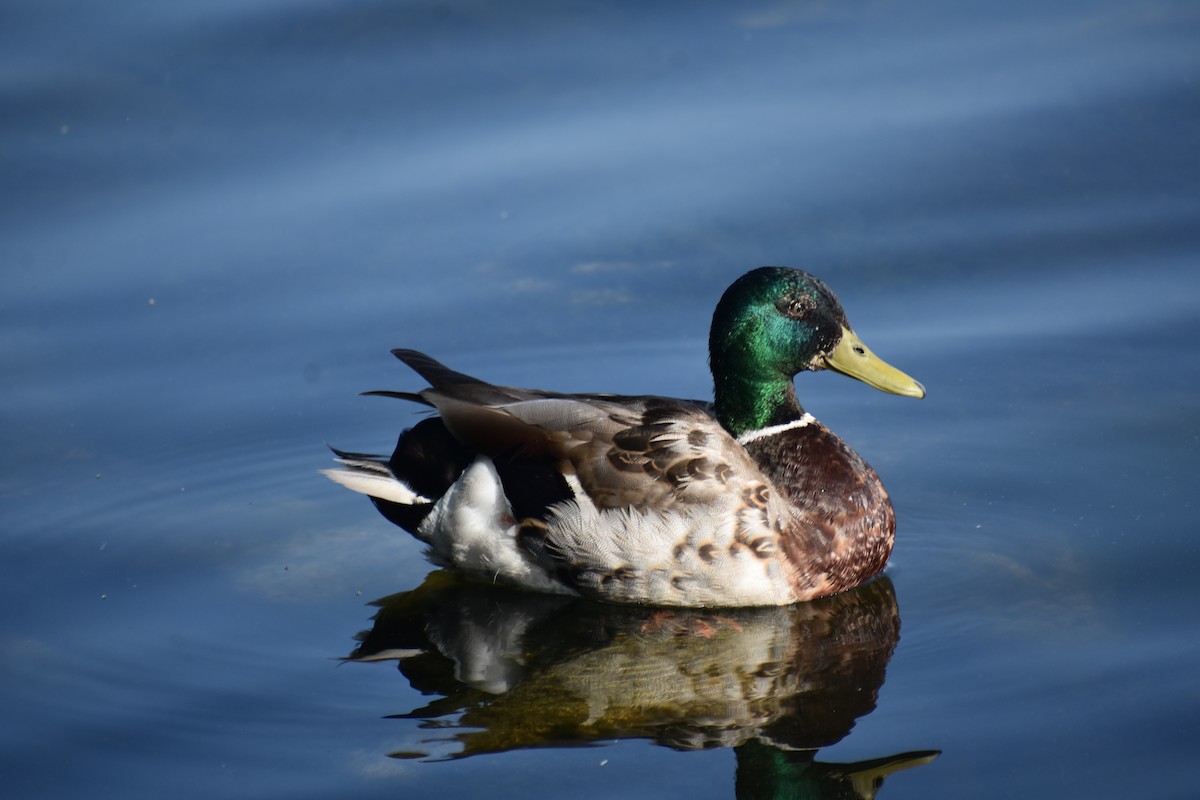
(852,357)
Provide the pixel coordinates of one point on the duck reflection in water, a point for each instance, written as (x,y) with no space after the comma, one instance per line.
(516,670)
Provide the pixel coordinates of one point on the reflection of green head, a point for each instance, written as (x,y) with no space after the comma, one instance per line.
(764,772)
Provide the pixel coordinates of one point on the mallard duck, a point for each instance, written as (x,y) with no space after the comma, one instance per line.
(748,501)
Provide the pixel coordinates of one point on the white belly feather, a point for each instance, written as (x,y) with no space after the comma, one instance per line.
(471,528)
(684,557)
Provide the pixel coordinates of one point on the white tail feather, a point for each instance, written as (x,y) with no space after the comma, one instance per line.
(374,483)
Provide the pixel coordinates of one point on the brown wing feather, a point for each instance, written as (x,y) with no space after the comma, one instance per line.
(660,503)
(645,452)
(651,453)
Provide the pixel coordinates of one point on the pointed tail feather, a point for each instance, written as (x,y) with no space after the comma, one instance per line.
(438,374)
(412,397)
(371,475)
(445,382)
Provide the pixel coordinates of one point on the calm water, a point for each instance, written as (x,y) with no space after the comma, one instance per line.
(216,218)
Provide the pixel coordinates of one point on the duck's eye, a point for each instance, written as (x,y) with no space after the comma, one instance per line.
(796,307)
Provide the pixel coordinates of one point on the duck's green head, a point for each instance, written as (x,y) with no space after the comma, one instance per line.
(772,323)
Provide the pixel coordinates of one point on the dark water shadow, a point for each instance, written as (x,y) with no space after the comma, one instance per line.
(513,670)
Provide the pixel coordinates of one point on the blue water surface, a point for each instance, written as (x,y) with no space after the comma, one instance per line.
(216,218)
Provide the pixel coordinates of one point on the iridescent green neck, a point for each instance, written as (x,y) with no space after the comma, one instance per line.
(748,403)
(752,375)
